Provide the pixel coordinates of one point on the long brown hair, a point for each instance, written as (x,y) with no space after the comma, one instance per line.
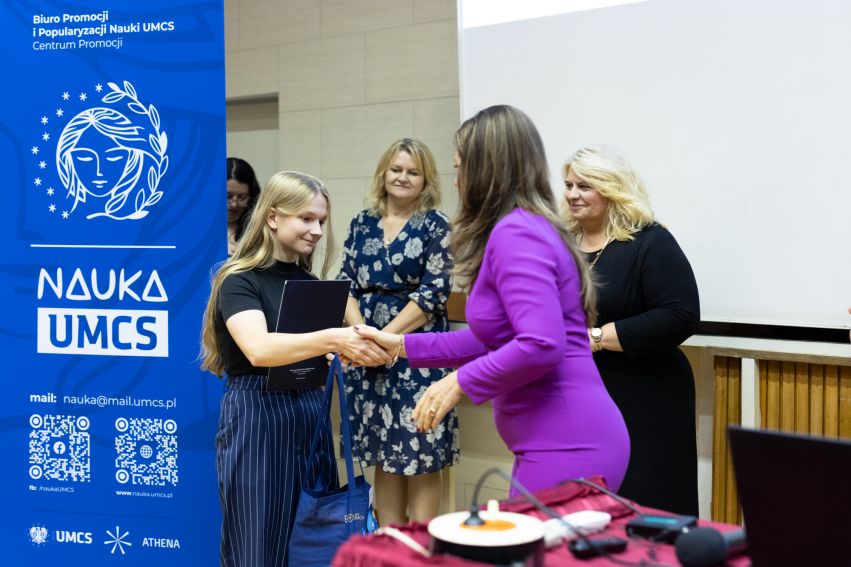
(287,192)
(504,167)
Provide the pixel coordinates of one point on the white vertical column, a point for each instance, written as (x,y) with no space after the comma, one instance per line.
(750,393)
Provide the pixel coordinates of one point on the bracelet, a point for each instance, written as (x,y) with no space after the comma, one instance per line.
(398,350)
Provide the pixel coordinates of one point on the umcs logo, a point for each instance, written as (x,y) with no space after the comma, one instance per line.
(38,535)
(65,536)
(116,332)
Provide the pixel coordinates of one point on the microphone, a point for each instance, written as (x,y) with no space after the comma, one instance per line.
(706,547)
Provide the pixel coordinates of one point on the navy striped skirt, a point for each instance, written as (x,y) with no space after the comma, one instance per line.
(262,448)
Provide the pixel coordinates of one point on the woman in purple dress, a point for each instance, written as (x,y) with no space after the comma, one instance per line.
(530,302)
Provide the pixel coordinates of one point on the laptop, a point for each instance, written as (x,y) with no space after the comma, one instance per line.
(796,497)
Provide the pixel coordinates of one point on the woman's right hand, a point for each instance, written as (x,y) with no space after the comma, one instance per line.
(360,349)
(388,341)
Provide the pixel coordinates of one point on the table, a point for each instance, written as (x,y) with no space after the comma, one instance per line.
(383,551)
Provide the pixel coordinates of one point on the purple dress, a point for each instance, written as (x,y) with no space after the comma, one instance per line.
(526,350)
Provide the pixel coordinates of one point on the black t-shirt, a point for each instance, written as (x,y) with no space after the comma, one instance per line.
(256,289)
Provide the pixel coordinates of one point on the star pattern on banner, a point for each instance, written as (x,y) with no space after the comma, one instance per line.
(83,96)
(64,214)
(45,136)
(42,164)
(34,150)
(50,191)
(59,112)
(44,119)
(37,181)
(65,96)
(52,208)
(98,87)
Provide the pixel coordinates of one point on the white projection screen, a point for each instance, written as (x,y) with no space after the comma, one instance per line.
(737,114)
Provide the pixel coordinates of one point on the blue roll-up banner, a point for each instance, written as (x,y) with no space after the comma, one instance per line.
(113,153)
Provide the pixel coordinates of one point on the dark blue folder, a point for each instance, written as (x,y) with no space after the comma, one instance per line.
(306,306)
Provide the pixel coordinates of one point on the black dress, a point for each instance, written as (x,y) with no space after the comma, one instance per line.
(647,287)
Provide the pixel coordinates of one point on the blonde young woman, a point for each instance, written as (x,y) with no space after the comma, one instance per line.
(397,256)
(263,437)
(647,305)
(531,299)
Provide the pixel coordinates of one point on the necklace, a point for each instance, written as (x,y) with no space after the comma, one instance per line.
(597,255)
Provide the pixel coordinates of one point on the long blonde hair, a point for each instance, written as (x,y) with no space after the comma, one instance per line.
(376,198)
(287,192)
(503,167)
(607,170)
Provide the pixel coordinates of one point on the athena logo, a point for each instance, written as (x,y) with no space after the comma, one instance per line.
(118,540)
(38,535)
(109,158)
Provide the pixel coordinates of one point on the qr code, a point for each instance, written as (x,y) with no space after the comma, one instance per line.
(146,451)
(60,448)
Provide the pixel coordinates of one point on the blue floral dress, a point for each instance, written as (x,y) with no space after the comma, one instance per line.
(415,267)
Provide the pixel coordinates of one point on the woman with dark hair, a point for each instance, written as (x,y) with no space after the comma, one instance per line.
(530,302)
(243,190)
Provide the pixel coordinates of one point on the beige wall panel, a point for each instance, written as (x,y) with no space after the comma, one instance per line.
(251,73)
(231,25)
(431,10)
(353,139)
(301,20)
(273,22)
(469,471)
(252,115)
(352,16)
(413,62)
(259,148)
(435,122)
(478,433)
(448,196)
(346,200)
(322,73)
(299,141)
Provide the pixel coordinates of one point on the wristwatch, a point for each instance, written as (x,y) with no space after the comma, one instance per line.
(596,334)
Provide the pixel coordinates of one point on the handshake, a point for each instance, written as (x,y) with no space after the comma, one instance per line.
(362,345)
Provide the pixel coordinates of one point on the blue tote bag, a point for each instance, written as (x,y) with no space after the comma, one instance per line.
(326,516)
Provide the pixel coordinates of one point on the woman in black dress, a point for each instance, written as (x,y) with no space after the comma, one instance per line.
(647,305)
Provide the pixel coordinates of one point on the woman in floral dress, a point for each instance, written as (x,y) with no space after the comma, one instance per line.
(396,254)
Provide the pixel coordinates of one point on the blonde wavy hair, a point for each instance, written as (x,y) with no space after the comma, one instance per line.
(609,173)
(376,198)
(286,193)
(502,167)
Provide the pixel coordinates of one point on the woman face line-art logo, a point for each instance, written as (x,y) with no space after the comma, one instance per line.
(99,168)
(110,162)
(94,156)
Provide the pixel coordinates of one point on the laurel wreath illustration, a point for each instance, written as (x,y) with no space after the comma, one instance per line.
(158,141)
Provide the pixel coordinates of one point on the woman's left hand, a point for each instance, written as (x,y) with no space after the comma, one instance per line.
(437,401)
